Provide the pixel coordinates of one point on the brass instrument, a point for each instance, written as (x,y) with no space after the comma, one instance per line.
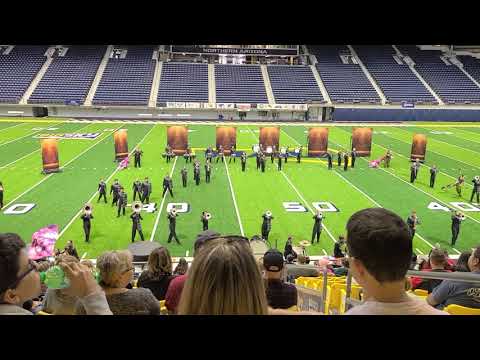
(268,213)
(88,209)
(137,207)
(208,216)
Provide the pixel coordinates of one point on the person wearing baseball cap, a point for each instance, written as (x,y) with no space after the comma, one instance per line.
(280,295)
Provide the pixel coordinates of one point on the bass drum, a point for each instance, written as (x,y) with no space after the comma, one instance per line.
(259,248)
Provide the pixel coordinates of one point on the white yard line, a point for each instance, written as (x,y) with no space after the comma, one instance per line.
(10,127)
(253,134)
(458,252)
(234,200)
(419,251)
(306,204)
(324,252)
(16,139)
(155,225)
(108,179)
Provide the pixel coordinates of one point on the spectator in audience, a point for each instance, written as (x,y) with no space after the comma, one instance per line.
(456,292)
(59,301)
(20,281)
(70,249)
(301,268)
(289,249)
(462,262)
(224,280)
(174,292)
(181,268)
(380,250)
(280,295)
(339,248)
(116,272)
(88,263)
(159,273)
(438,260)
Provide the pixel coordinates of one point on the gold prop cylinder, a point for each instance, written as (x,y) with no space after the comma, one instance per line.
(50,155)
(317,141)
(121,144)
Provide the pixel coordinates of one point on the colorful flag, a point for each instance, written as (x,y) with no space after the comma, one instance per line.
(123,164)
(43,242)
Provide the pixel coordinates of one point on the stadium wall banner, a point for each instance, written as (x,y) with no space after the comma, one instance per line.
(209,105)
(317,141)
(192,105)
(225,106)
(419,147)
(121,144)
(362,141)
(50,155)
(177,139)
(243,107)
(226,136)
(73,136)
(269,136)
(205,49)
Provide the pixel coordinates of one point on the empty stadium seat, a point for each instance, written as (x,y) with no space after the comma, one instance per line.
(183,82)
(240,84)
(461,310)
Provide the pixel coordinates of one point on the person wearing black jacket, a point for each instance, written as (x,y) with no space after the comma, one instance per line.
(345,161)
(339,158)
(184,176)
(433,175)
(208,170)
(267,224)
(414,170)
(279,162)
(122,202)
(289,249)
(475,190)
(244,161)
(115,189)
(70,249)
(412,222)
(258,154)
(329,158)
(146,191)
(317,226)
(102,190)
(196,174)
(299,155)
(262,162)
(204,220)
(137,189)
(338,249)
(172,223)
(354,157)
(138,155)
(457,218)
(136,225)
(87,224)
(167,185)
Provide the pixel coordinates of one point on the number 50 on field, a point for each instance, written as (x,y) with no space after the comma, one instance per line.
(324,206)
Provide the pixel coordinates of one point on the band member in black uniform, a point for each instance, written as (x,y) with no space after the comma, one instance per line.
(386,160)
(136,225)
(204,219)
(189,154)
(272,155)
(329,158)
(168,151)
(102,190)
(184,176)
(267,224)
(115,189)
(317,226)
(258,155)
(475,190)
(354,157)
(208,170)
(345,161)
(233,153)
(458,185)
(279,162)
(138,155)
(414,170)
(339,158)
(412,222)
(433,175)
(196,174)
(86,216)
(457,218)
(244,161)
(122,202)
(146,191)
(172,222)
(209,154)
(287,150)
(137,189)
(220,153)
(262,162)
(299,155)
(167,185)
(1,195)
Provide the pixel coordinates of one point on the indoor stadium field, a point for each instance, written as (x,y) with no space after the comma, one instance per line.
(236,199)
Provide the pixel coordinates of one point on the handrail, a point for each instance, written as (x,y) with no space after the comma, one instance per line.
(457,276)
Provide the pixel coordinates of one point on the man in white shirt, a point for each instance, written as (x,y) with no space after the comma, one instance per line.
(380,250)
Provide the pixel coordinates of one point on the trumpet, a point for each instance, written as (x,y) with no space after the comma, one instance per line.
(173,212)
(208,216)
(137,206)
(268,213)
(88,209)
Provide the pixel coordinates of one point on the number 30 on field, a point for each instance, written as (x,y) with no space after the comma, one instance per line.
(459,205)
(324,206)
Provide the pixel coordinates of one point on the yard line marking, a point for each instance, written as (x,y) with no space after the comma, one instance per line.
(16,139)
(324,252)
(251,132)
(161,205)
(108,179)
(83,256)
(9,127)
(234,200)
(458,252)
(306,203)
(419,251)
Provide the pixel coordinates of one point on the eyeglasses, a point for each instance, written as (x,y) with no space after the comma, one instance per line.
(32,266)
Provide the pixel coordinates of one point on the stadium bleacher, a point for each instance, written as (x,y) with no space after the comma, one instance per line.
(183,82)
(293,84)
(345,83)
(240,84)
(127,81)
(18,69)
(448,81)
(68,78)
(397,81)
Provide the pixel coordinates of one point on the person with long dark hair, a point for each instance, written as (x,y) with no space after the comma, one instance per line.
(462,262)
(159,273)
